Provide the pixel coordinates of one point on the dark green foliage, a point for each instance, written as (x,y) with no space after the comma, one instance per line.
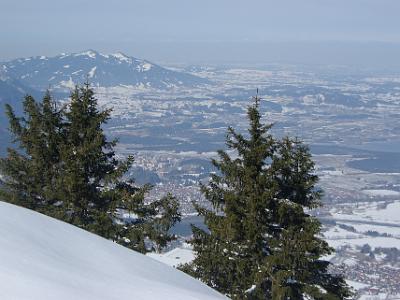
(66,168)
(32,170)
(88,160)
(262,243)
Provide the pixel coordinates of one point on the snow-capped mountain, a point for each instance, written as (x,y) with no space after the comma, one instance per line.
(43,258)
(105,70)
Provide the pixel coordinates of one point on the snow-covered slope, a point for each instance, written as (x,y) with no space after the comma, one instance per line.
(42,258)
(175,257)
(105,70)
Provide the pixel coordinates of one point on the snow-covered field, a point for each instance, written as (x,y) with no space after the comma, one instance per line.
(374,242)
(376,211)
(393,231)
(382,193)
(381,217)
(42,258)
(175,257)
(366,236)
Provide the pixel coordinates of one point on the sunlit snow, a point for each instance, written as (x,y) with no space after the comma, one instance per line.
(42,258)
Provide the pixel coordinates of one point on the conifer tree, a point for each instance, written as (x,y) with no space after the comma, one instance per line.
(66,168)
(296,267)
(261,243)
(88,159)
(31,169)
(97,197)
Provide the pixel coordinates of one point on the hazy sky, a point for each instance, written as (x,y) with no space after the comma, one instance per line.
(201,30)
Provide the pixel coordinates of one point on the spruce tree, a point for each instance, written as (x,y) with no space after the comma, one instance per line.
(99,199)
(296,267)
(30,169)
(88,159)
(261,242)
(66,168)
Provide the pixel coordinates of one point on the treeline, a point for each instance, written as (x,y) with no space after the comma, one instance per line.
(261,242)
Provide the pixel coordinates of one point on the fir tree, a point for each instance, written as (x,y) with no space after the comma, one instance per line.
(261,244)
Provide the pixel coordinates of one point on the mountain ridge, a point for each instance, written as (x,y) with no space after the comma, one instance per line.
(64,71)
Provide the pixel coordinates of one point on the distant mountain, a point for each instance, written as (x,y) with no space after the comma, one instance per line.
(62,72)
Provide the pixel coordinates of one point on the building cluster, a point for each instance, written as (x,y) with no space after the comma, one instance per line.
(376,278)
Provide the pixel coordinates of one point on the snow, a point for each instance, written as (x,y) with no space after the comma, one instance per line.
(68,84)
(122,57)
(357,285)
(77,72)
(89,53)
(366,219)
(144,67)
(379,296)
(42,258)
(91,72)
(335,233)
(374,242)
(252,288)
(376,211)
(363,228)
(175,257)
(382,193)
(350,261)
(104,55)
(147,66)
(332,173)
